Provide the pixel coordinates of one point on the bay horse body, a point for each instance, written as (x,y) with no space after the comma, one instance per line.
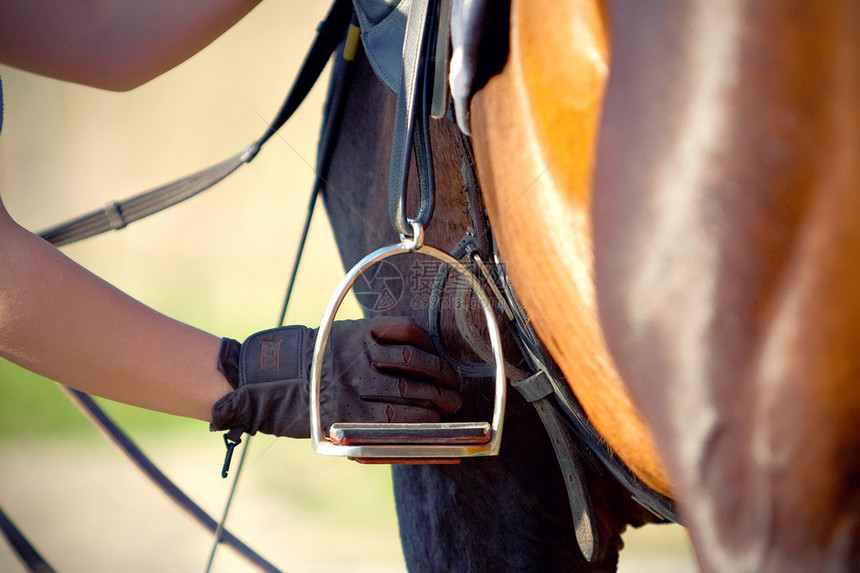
(713,187)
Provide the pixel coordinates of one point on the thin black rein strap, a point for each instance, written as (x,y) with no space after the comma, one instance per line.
(28,555)
(115,433)
(118,214)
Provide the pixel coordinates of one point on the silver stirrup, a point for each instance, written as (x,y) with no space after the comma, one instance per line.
(407,443)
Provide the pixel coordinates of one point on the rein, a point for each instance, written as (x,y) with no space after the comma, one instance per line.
(117,215)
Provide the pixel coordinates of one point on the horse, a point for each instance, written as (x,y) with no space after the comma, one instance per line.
(509,512)
(689,207)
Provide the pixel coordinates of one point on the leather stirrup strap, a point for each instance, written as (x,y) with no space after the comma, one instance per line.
(413,105)
(117,214)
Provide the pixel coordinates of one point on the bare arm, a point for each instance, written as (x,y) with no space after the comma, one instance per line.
(61,321)
(111,44)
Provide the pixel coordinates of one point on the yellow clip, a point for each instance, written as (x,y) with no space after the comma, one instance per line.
(351,45)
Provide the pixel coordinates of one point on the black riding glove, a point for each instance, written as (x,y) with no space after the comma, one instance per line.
(379,370)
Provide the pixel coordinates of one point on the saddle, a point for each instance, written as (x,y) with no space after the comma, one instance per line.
(478,45)
(534,153)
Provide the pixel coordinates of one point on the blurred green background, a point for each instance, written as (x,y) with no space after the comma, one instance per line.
(220,262)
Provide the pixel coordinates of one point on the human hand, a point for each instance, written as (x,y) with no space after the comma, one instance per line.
(375,370)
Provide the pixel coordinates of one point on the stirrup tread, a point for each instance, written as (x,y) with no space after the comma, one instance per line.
(410,434)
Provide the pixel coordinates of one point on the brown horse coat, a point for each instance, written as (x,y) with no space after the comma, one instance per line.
(726,229)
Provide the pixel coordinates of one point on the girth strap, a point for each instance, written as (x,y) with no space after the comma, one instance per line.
(537,390)
(117,214)
(539,360)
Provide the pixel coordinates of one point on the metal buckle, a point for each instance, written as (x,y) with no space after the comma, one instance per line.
(408,443)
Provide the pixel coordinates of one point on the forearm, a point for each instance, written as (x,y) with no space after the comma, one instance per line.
(61,321)
(117,44)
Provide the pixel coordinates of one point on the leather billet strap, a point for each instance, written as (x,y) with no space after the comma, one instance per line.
(117,214)
(411,114)
(540,360)
(538,390)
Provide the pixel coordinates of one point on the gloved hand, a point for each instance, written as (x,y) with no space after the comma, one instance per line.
(375,370)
